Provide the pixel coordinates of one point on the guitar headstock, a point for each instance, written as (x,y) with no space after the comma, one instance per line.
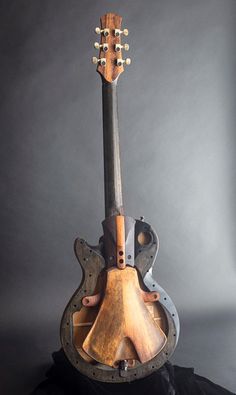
(110,63)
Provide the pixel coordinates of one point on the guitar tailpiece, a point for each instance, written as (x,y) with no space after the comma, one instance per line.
(123,367)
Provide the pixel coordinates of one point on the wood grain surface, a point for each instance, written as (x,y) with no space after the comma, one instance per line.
(120,241)
(123,318)
(110,71)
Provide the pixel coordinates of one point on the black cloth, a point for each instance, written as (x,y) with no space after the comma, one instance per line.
(63,379)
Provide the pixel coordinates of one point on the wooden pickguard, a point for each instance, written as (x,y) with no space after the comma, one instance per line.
(125,327)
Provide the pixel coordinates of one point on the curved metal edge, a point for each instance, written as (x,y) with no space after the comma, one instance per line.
(105,374)
(165,301)
(92,263)
(145,259)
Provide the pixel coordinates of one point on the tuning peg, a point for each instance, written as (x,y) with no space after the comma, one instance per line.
(118,47)
(118,32)
(120,62)
(105,32)
(102,61)
(103,46)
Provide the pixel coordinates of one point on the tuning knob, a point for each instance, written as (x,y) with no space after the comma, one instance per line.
(101,61)
(118,47)
(105,32)
(120,62)
(103,46)
(118,32)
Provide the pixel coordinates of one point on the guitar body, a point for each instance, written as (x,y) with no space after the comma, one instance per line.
(119,325)
(78,325)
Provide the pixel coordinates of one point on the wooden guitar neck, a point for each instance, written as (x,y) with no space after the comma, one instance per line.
(111,149)
(110,65)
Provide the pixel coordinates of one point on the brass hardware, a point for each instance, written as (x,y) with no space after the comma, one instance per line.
(118,32)
(118,47)
(102,61)
(103,46)
(105,32)
(120,62)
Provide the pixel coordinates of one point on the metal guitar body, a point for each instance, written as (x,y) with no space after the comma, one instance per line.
(77,319)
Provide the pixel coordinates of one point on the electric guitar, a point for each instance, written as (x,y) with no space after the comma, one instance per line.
(119,325)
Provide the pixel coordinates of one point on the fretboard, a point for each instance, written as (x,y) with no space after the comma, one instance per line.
(112,169)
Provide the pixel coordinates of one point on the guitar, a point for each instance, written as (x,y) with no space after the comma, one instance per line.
(119,325)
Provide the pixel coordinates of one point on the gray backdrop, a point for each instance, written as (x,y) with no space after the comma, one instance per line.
(177,127)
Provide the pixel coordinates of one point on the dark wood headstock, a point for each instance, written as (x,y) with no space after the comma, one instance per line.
(110,61)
